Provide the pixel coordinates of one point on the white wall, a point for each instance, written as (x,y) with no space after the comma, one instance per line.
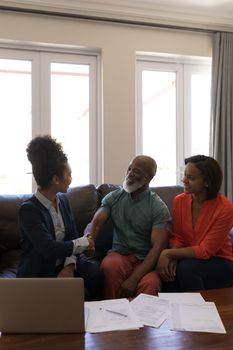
(118,46)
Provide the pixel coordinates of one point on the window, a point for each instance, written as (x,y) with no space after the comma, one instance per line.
(47,93)
(173,114)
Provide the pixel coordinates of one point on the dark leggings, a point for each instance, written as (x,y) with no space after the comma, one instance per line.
(196,274)
(89,269)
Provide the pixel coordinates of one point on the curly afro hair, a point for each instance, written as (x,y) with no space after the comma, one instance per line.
(47,158)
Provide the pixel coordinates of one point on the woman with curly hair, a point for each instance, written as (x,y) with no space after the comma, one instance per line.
(50,243)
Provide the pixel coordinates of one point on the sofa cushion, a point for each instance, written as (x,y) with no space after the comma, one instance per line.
(84,201)
(104,240)
(9,231)
(167,194)
(9,261)
(106,188)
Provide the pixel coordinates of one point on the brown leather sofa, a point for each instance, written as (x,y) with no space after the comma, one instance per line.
(84,200)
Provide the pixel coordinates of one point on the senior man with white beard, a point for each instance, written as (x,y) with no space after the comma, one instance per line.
(141,231)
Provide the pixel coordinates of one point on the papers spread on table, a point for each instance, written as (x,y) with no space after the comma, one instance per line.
(110,315)
(151,310)
(184,311)
(196,317)
(190,312)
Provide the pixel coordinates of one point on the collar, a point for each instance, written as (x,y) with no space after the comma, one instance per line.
(140,195)
(45,201)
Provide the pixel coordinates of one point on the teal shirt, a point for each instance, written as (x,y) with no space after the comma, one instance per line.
(134,220)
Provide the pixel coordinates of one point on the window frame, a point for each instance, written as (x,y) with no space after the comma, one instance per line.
(41,56)
(181,65)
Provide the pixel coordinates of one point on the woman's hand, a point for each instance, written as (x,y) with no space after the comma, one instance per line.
(166,267)
(172,270)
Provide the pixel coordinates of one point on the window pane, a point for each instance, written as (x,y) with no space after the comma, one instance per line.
(200,113)
(159,123)
(70,115)
(15,131)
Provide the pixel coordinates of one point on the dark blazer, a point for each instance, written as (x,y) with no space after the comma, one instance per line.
(40,250)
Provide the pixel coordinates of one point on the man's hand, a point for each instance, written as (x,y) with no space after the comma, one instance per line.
(67,271)
(128,288)
(91,248)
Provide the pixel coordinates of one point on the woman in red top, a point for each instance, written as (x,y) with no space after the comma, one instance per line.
(200,255)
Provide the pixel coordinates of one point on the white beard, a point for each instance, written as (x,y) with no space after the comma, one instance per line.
(134,187)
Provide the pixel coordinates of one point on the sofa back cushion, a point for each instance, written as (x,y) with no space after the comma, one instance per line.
(167,194)
(104,240)
(84,201)
(9,231)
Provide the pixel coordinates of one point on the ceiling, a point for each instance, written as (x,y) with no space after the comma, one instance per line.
(203,14)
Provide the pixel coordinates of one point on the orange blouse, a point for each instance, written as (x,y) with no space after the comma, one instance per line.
(210,236)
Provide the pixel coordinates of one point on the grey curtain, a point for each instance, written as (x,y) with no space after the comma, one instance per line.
(222,107)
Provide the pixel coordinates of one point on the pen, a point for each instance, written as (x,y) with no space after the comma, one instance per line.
(116,312)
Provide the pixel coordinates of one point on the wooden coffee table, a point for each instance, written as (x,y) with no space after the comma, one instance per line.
(145,338)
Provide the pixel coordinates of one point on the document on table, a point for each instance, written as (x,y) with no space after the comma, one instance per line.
(151,310)
(110,315)
(196,317)
(183,297)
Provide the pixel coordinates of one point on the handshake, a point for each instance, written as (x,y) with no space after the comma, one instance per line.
(84,244)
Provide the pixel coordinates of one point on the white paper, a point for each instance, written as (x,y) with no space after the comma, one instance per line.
(110,315)
(151,310)
(196,317)
(183,297)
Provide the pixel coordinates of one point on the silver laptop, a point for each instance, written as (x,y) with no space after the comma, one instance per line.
(42,305)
